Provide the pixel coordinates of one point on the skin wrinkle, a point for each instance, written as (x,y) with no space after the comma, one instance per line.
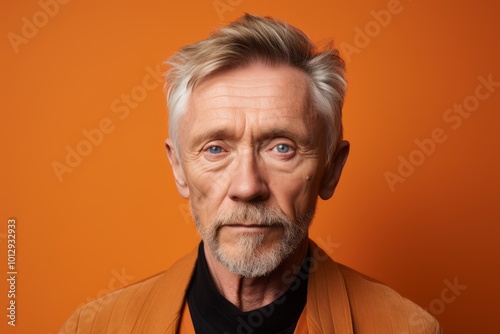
(230,110)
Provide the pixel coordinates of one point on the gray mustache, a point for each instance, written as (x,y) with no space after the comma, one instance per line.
(257,214)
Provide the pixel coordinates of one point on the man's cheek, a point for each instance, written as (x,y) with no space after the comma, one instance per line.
(288,196)
(208,191)
(208,182)
(304,196)
(205,180)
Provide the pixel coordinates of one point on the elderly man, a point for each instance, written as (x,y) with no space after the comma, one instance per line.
(255,137)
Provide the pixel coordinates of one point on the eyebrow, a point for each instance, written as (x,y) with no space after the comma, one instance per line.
(209,135)
(280,132)
(307,141)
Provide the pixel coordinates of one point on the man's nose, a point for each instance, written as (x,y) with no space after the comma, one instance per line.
(247,181)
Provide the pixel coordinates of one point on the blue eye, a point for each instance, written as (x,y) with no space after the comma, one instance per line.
(215,149)
(282,148)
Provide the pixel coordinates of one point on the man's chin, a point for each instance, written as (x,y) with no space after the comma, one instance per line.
(253,258)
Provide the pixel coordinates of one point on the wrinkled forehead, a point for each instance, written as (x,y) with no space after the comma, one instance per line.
(280,89)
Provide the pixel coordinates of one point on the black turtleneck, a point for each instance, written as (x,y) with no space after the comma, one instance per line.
(211,313)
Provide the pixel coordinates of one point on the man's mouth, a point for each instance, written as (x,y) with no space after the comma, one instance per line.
(249,227)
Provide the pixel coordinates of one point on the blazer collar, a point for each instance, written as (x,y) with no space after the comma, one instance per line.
(328,309)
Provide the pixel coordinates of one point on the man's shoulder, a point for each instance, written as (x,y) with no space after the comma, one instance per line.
(373,306)
(129,299)
(123,309)
(372,301)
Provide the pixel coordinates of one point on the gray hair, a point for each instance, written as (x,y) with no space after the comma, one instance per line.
(250,39)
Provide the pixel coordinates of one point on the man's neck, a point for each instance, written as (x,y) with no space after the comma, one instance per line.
(252,293)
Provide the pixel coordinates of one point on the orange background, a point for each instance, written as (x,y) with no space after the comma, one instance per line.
(118,210)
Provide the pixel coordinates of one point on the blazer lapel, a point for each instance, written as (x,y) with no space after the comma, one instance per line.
(328,309)
(161,313)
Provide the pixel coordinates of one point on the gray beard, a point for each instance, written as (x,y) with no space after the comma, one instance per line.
(250,259)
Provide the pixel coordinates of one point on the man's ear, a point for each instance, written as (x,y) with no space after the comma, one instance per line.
(333,170)
(180,178)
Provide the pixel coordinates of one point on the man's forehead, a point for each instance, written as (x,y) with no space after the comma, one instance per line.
(253,82)
(255,87)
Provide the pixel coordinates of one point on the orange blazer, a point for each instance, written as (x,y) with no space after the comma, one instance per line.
(339,301)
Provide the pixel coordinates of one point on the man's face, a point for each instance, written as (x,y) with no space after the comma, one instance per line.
(252,154)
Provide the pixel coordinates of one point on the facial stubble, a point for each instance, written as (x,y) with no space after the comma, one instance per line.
(252,254)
